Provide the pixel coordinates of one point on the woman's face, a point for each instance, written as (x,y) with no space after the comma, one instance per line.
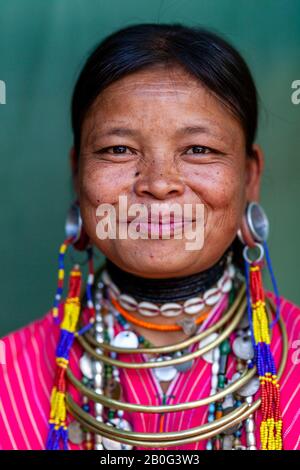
(158,136)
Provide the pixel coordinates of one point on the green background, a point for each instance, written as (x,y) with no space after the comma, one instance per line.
(43,45)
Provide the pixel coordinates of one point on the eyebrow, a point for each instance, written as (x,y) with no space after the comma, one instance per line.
(183,131)
(191,130)
(121,131)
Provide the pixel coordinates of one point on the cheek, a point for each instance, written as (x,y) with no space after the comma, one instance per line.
(219,186)
(103,183)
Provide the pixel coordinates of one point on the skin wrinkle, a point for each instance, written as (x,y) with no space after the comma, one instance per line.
(156,168)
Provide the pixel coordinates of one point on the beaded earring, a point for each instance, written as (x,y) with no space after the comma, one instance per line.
(271,425)
(76,237)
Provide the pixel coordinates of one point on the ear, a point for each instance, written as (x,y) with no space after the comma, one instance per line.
(74,168)
(254,171)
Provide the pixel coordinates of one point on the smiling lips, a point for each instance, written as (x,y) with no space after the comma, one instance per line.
(164,226)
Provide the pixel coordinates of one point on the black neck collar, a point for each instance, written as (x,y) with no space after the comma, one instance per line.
(166,290)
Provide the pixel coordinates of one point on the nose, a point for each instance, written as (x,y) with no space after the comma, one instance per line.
(160,181)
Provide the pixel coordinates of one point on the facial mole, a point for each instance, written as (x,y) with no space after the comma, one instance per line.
(137,173)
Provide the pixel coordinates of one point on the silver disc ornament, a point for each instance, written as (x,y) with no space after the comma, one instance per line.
(164,374)
(243,348)
(125,339)
(250,388)
(75,433)
(185,366)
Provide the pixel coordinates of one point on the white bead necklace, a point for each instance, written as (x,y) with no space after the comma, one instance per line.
(192,306)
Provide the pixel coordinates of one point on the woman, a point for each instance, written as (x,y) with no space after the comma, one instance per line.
(161,115)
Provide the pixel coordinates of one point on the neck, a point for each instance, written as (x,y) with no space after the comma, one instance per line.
(175,289)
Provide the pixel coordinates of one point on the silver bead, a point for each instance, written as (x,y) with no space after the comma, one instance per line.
(85,364)
(214,382)
(98,446)
(99,339)
(98,380)
(209,356)
(98,442)
(97,367)
(99,410)
(98,318)
(99,327)
(109,320)
(250,439)
(249,424)
(215,368)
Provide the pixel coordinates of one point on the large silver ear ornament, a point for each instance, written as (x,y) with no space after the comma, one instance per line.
(74,228)
(73,224)
(257,221)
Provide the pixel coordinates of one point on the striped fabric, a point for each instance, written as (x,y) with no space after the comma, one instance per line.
(27,374)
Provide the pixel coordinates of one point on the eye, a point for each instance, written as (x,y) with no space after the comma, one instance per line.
(199,149)
(115,150)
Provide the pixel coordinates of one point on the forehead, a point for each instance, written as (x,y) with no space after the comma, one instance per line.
(160,96)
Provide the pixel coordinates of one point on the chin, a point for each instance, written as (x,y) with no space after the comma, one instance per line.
(160,259)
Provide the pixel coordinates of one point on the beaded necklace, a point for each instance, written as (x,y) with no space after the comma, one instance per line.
(103,372)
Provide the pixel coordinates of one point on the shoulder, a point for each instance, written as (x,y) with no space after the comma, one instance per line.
(27,372)
(36,332)
(26,377)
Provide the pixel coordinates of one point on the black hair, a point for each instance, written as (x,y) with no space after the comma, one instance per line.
(202,53)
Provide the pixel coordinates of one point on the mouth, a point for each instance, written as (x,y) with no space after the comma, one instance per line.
(160,227)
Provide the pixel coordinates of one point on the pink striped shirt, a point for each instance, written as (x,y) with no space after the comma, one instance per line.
(27,374)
